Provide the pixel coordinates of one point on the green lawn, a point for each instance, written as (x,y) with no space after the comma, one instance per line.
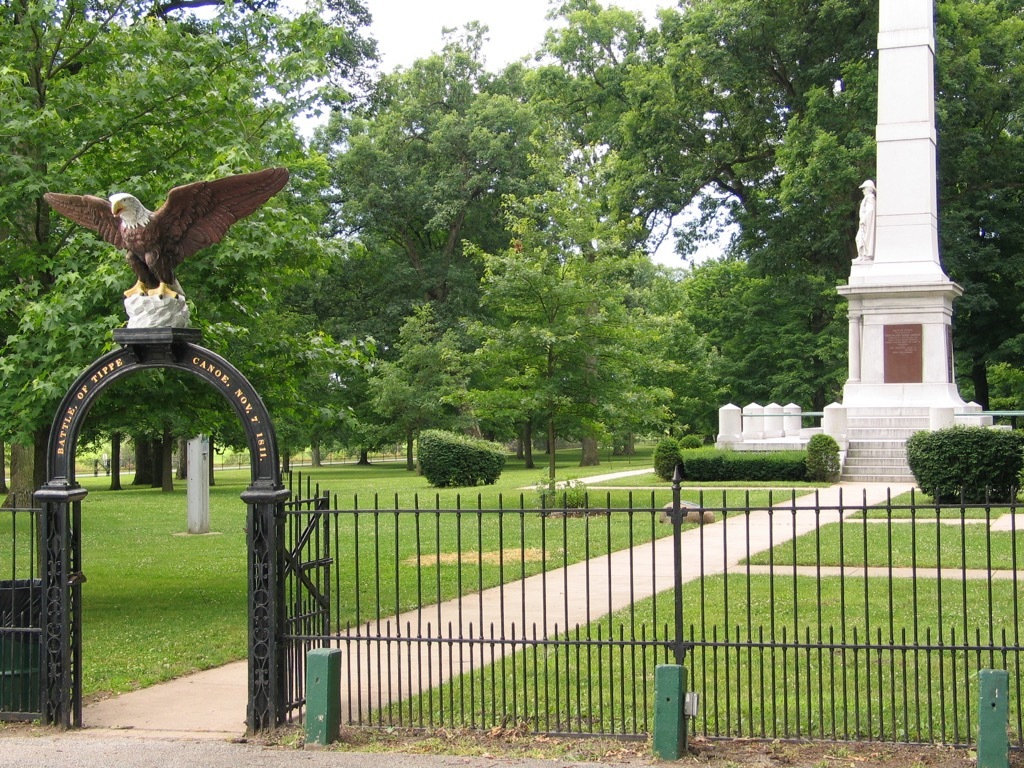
(922,545)
(159,605)
(829,674)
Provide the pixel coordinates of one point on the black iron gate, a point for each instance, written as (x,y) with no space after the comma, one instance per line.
(306,578)
(21,604)
(61,496)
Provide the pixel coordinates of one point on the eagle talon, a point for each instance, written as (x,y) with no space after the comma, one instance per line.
(136,290)
(161,291)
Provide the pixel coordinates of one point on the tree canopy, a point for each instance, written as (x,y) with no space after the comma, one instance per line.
(466,248)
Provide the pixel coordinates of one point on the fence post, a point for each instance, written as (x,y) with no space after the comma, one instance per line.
(993,717)
(677,566)
(323,695)
(669,738)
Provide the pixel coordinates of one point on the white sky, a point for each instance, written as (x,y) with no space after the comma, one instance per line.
(410,29)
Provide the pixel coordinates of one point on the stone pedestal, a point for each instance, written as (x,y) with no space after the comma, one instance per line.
(901,345)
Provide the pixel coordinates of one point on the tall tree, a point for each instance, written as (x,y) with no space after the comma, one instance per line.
(422,387)
(142,95)
(564,346)
(424,167)
(981,162)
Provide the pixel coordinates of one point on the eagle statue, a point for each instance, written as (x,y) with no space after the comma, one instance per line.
(193,216)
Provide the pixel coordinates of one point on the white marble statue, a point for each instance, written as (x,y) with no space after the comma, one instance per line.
(866,230)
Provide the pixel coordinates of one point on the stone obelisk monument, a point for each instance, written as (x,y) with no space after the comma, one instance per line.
(900,300)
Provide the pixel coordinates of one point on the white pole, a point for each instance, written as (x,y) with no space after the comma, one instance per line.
(199,485)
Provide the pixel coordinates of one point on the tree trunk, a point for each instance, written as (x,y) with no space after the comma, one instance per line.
(286,462)
(551,450)
(115,461)
(410,461)
(627,447)
(591,454)
(315,458)
(156,459)
(182,473)
(3,467)
(28,469)
(143,461)
(364,457)
(979,375)
(527,443)
(167,462)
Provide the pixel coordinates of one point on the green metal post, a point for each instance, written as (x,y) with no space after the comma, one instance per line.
(993,718)
(323,695)
(669,711)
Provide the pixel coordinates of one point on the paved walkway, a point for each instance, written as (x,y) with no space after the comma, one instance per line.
(212,704)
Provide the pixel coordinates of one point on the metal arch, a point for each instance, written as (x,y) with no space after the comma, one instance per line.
(162,348)
(61,499)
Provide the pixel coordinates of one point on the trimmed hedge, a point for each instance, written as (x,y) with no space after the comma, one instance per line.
(666,456)
(450,460)
(715,465)
(982,463)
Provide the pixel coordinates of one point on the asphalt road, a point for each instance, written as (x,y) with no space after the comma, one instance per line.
(83,750)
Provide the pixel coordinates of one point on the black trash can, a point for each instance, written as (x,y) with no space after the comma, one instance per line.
(21,615)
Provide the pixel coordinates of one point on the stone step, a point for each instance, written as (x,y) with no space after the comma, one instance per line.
(923,413)
(877,461)
(882,433)
(878,478)
(881,421)
(880,453)
(877,445)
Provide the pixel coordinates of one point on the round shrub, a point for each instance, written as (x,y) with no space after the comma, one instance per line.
(449,460)
(689,442)
(983,464)
(666,456)
(823,459)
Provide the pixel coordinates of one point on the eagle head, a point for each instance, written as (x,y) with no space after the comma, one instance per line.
(132,212)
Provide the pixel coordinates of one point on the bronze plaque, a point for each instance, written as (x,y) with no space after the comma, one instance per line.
(904,362)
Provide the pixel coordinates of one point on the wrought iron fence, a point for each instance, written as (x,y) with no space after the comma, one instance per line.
(799,618)
(21,601)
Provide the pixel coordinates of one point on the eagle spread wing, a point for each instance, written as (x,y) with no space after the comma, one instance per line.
(194,216)
(91,212)
(199,214)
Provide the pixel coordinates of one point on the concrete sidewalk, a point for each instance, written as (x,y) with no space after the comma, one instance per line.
(212,704)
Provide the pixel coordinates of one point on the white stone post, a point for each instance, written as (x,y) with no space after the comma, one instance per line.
(773,420)
(753,422)
(940,418)
(198,485)
(974,417)
(792,424)
(730,425)
(833,423)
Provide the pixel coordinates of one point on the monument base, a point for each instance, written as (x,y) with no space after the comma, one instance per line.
(890,396)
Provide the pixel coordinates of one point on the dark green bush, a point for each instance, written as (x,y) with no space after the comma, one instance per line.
(714,465)
(689,442)
(823,459)
(666,456)
(448,459)
(982,463)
